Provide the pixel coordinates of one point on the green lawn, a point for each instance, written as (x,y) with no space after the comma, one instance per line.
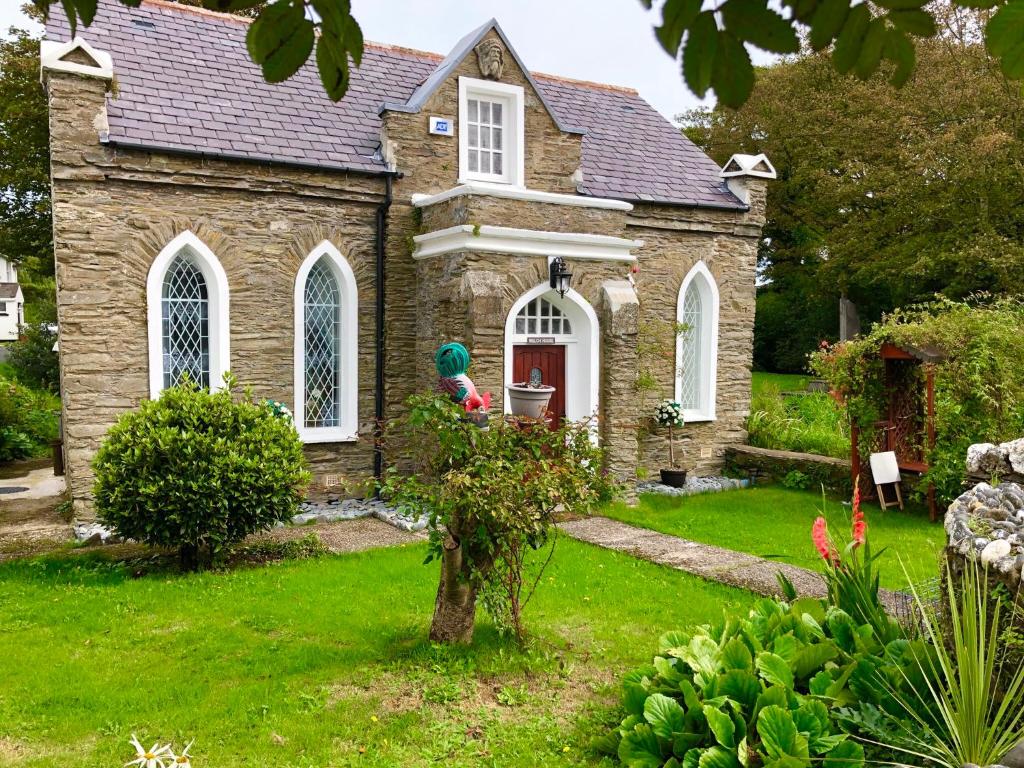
(322,662)
(783,382)
(775,523)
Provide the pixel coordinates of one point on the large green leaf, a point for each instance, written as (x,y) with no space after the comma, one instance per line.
(718,757)
(664,714)
(812,658)
(332,64)
(774,669)
(640,748)
(733,74)
(721,725)
(736,655)
(739,685)
(900,51)
(871,50)
(281,39)
(848,754)
(701,656)
(850,39)
(634,695)
(827,22)
(1004,38)
(754,22)
(676,18)
(915,21)
(699,53)
(779,734)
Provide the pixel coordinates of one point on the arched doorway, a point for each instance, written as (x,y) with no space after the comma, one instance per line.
(555,339)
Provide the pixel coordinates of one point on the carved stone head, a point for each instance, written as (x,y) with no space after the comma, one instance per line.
(491,57)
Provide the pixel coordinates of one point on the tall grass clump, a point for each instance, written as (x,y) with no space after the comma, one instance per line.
(809,423)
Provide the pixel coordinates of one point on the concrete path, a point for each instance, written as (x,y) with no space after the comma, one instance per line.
(350,535)
(38,483)
(726,566)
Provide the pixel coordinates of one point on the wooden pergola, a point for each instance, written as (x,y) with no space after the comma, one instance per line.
(908,428)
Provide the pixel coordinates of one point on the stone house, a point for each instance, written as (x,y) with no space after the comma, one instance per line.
(205,220)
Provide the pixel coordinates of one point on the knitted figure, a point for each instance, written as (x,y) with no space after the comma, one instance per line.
(452,362)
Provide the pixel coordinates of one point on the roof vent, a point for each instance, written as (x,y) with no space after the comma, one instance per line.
(141,23)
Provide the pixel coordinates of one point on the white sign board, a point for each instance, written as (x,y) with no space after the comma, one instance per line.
(442,126)
(884,468)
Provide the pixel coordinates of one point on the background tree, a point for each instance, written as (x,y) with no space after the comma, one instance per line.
(888,196)
(25,222)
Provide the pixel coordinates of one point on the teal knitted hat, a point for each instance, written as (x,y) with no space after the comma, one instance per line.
(452,359)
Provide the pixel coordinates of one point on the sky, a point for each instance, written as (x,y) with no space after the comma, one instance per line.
(607,41)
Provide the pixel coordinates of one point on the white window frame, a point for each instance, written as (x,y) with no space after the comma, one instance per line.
(217,296)
(514,132)
(348,348)
(700,276)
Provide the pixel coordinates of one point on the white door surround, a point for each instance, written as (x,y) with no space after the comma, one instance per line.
(582,347)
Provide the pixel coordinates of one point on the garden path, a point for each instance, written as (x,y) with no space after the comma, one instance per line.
(737,569)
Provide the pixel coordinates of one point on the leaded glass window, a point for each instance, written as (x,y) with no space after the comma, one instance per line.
(322,313)
(185,323)
(539,317)
(690,358)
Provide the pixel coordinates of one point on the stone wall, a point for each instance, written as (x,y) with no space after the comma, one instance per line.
(773,466)
(114,210)
(675,239)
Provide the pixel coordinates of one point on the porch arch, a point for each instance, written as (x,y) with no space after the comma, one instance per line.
(582,347)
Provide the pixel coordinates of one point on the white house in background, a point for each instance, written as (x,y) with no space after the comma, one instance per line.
(12,302)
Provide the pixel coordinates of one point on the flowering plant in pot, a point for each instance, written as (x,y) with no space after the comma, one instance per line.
(669,414)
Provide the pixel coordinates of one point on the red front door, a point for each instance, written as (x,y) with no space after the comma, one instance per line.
(544,363)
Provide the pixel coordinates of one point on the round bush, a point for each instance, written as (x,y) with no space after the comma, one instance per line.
(198,471)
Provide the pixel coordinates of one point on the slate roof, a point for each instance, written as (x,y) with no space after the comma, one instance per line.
(9,290)
(185,82)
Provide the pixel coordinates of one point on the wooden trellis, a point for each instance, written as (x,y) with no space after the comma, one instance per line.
(908,428)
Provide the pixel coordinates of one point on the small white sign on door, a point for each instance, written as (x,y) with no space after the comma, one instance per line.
(442,126)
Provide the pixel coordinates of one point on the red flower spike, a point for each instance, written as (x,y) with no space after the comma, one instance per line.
(819,535)
(860,526)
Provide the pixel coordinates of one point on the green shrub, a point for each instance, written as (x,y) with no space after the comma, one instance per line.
(33,359)
(759,690)
(198,471)
(979,393)
(797,480)
(28,421)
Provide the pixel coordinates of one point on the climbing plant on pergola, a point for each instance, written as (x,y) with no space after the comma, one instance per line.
(965,359)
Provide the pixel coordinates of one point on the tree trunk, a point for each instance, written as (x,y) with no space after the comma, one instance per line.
(455,606)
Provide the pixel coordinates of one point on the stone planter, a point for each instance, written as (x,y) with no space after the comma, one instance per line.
(673,478)
(531,402)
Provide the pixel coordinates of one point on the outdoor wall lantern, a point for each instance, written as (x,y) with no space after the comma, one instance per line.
(560,276)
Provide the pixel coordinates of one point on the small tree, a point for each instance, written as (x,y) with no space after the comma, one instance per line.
(490,497)
(198,471)
(669,414)
(34,359)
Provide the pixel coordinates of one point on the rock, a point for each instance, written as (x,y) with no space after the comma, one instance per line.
(995,550)
(984,459)
(1014,452)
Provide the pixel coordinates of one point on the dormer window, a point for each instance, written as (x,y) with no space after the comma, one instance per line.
(491,135)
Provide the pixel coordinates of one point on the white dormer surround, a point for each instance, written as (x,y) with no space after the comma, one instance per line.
(739,168)
(520,193)
(56,57)
(524,242)
(492,132)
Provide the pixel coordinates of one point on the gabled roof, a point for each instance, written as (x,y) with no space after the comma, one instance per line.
(185,83)
(462,49)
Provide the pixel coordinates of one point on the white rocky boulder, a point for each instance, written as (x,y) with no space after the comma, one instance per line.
(985,459)
(995,550)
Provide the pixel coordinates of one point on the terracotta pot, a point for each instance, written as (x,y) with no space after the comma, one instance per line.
(531,402)
(673,478)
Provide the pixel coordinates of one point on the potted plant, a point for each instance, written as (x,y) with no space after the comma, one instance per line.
(529,399)
(669,413)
